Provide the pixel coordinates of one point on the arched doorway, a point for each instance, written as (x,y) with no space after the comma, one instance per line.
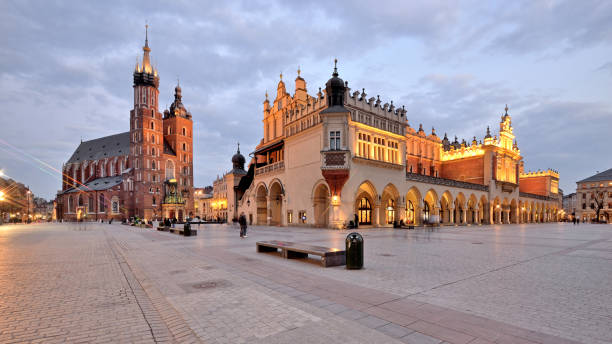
(389,203)
(410,212)
(321,206)
(364,211)
(413,211)
(390,211)
(366,207)
(445,202)
(261,197)
(276,204)
(430,201)
(426,214)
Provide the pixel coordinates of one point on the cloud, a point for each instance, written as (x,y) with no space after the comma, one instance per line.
(606,67)
(66,66)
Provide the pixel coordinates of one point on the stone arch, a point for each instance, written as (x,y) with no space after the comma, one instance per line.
(261,203)
(505,211)
(472,209)
(413,206)
(430,209)
(390,204)
(321,203)
(275,197)
(497,211)
(484,214)
(460,208)
(446,203)
(513,211)
(365,204)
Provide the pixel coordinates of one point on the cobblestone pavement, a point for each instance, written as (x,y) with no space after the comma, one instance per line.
(547,283)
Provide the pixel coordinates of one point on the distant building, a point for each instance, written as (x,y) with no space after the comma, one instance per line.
(569,205)
(146,172)
(593,195)
(339,156)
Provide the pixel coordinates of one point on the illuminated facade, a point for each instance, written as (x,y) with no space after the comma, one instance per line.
(592,193)
(337,156)
(146,172)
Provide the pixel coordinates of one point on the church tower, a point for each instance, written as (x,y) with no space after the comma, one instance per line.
(146,141)
(178,137)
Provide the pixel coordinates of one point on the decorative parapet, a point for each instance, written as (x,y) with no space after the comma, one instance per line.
(540,197)
(275,167)
(443,181)
(335,159)
(461,153)
(378,163)
(549,172)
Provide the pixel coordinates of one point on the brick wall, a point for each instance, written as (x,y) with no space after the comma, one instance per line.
(469,170)
(534,185)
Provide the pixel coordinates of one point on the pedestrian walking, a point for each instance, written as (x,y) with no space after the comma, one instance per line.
(243,225)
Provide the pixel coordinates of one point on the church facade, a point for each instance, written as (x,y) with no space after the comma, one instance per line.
(146,172)
(339,156)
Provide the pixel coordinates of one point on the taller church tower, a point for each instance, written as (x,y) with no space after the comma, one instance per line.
(146,141)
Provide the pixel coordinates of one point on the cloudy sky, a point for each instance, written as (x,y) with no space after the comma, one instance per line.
(66,72)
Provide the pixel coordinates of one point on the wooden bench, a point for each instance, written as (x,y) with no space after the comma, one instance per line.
(289,250)
(181,231)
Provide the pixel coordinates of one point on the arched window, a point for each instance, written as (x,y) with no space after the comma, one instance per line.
(365,212)
(101,207)
(184,132)
(80,201)
(152,137)
(153,151)
(154,200)
(169,130)
(152,125)
(90,205)
(184,147)
(425,211)
(70,204)
(390,211)
(410,212)
(169,170)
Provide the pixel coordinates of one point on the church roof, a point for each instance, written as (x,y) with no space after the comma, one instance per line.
(104,147)
(605,175)
(97,184)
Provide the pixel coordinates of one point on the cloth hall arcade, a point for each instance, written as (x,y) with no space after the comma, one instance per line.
(338,156)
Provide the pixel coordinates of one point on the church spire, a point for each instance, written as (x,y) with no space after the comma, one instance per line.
(146,59)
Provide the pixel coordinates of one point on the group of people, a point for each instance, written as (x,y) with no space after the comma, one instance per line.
(576,221)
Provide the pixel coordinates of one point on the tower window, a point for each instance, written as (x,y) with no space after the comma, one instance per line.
(184,132)
(334,140)
(152,125)
(184,147)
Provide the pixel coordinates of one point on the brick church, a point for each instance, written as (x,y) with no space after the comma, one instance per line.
(146,172)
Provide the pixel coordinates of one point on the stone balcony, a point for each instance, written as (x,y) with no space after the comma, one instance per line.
(275,167)
(335,159)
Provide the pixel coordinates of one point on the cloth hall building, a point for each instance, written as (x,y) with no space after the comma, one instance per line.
(146,172)
(338,156)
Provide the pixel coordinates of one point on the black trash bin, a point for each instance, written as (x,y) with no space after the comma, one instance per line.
(354,251)
(187,229)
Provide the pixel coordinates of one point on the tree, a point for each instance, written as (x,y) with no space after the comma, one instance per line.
(597,197)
